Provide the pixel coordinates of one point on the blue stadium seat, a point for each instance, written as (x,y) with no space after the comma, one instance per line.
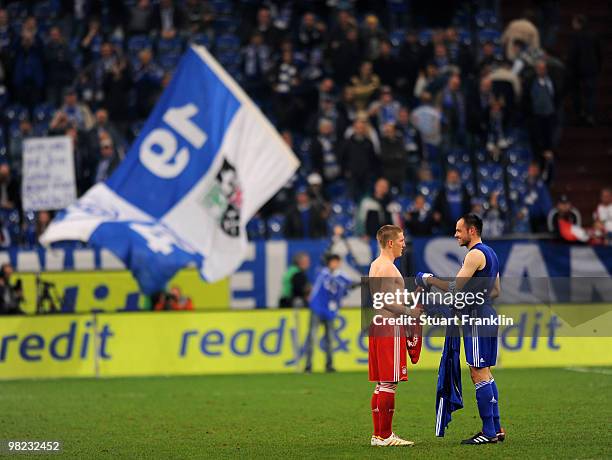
(519,153)
(118,43)
(222,7)
(428,189)
(41,128)
(425,36)
(15,112)
(337,189)
(347,222)
(489,35)
(77,61)
(397,37)
(169,46)
(488,186)
(226,24)
(485,19)
(43,112)
(398,6)
(490,171)
(456,157)
(202,39)
(481,156)
(256,228)
(138,43)
(14,128)
(169,61)
(276,227)
(227,43)
(465,37)
(404,202)
(344,206)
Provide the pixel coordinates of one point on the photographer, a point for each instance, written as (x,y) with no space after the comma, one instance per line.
(11,296)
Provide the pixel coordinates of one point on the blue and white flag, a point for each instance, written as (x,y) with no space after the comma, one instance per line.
(202,166)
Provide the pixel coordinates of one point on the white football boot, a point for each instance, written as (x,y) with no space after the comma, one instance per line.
(395,441)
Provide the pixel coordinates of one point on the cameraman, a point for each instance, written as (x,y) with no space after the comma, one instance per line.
(10,296)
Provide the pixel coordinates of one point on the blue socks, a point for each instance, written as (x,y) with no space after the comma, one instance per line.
(484,398)
(495,406)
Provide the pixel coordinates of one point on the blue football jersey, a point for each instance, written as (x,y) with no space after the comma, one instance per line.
(328,290)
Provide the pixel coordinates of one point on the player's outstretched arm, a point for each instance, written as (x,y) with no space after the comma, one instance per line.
(473,261)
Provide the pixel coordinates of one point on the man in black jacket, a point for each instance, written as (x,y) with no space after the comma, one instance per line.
(305,219)
(358,159)
(452,202)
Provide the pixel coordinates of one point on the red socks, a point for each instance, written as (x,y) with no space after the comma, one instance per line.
(386,408)
(375,412)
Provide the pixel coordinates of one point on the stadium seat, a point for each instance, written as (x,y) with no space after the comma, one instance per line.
(465,37)
(225,24)
(222,7)
(118,43)
(227,43)
(397,37)
(425,36)
(489,35)
(202,40)
(488,186)
(169,61)
(485,19)
(169,46)
(404,202)
(428,188)
(347,222)
(77,61)
(138,43)
(344,206)
(43,113)
(276,227)
(14,113)
(256,228)
(41,128)
(481,156)
(337,189)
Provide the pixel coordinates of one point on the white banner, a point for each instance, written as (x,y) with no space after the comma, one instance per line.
(48,173)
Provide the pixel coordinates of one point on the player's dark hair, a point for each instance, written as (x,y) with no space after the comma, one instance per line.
(472,220)
(330,256)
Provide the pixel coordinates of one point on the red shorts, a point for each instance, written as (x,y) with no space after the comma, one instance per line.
(387,354)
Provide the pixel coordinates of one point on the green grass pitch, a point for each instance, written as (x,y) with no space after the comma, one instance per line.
(548,413)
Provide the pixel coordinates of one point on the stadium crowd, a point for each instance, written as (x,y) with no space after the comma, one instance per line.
(395,116)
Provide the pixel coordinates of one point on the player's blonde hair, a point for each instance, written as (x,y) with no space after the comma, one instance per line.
(387,233)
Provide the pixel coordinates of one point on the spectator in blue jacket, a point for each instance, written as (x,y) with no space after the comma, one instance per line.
(537,199)
(330,287)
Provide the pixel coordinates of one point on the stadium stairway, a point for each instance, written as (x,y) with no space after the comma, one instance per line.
(584,155)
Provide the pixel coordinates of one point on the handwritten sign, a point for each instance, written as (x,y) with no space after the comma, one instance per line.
(48,173)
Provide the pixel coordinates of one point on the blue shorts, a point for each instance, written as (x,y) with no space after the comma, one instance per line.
(480,341)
